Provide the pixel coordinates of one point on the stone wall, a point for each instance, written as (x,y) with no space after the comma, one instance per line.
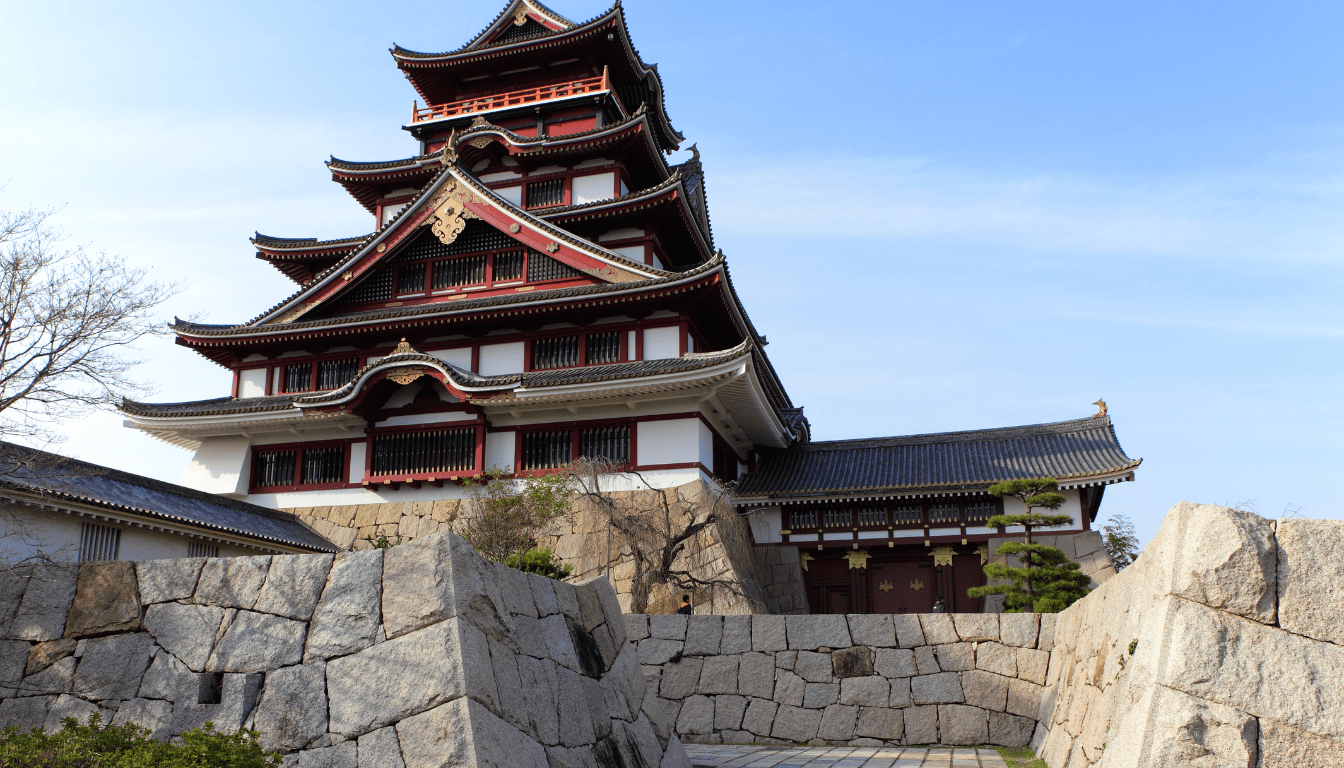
(765,579)
(859,679)
(421,655)
(1220,646)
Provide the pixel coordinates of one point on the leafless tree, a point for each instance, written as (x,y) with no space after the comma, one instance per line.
(68,321)
(664,532)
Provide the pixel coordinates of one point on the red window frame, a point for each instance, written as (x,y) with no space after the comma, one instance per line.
(583,335)
(315,362)
(478,424)
(299,449)
(575,429)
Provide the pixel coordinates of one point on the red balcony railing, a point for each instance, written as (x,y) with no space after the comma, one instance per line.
(511,98)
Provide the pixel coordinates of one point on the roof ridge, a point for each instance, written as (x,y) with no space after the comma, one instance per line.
(1053,427)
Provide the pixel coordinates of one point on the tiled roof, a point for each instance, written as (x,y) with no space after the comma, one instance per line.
(1065,450)
(590,374)
(56,478)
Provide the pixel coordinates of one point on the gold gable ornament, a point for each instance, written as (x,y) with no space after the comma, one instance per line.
(858,558)
(520,18)
(1101,404)
(942,555)
(404,348)
(404,376)
(449,155)
(804,559)
(450,212)
(983,552)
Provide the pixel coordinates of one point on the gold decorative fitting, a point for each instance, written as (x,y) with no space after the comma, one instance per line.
(382,247)
(515,227)
(552,247)
(983,552)
(1101,404)
(886,586)
(348,274)
(858,558)
(478,120)
(404,376)
(520,18)
(449,155)
(804,559)
(942,555)
(403,348)
(916,585)
(481,142)
(450,212)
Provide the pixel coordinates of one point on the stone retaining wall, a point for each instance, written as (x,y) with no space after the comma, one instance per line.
(421,655)
(1221,646)
(859,679)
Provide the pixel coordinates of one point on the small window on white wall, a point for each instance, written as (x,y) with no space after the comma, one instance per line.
(201,549)
(389,212)
(99,542)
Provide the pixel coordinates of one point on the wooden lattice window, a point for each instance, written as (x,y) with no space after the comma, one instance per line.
(604,348)
(944,513)
(872,516)
(802,518)
(201,549)
(610,443)
(508,266)
(837,518)
(332,374)
(308,466)
(469,270)
(979,511)
(555,352)
(298,377)
(541,194)
(546,450)
(541,268)
(907,514)
(274,468)
(99,542)
(434,452)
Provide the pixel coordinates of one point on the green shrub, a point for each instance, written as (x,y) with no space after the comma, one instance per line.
(542,562)
(129,746)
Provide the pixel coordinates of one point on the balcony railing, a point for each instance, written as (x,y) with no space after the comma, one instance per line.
(511,98)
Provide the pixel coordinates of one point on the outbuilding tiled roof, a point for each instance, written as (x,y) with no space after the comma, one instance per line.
(56,479)
(1065,450)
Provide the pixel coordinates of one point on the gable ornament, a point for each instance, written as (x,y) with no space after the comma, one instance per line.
(858,558)
(942,555)
(450,211)
(404,376)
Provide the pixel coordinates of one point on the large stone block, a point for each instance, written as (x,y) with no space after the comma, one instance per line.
(768,633)
(464,732)
(819,695)
(789,688)
(46,601)
(871,691)
(808,633)
(56,678)
(703,635)
(186,631)
(169,679)
(514,588)
(1033,665)
(543,594)
(1189,731)
(837,723)
(106,600)
(39,656)
(343,755)
(900,693)
(960,724)
(719,675)
(380,749)
(795,724)
(880,723)
(955,657)
(668,626)
(540,678)
(1310,570)
(728,712)
(926,661)
(157,716)
(986,690)
(25,712)
(636,627)
(1010,730)
(996,658)
(756,675)
(14,655)
(625,685)
(1220,557)
(112,667)
(67,706)
(909,633)
(852,662)
(409,675)
(512,698)
(875,630)
(736,634)
(942,688)
(813,667)
(293,585)
(697,716)
(976,627)
(681,678)
(440,577)
(637,743)
(347,618)
(1024,698)
(1019,629)
(895,662)
(760,717)
(293,708)
(921,725)
(1282,746)
(576,722)
(163,580)
(232,582)
(938,628)
(237,698)
(257,642)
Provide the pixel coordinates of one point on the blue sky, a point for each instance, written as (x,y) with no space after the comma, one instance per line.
(944,216)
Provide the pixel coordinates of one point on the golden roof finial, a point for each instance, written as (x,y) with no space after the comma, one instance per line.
(450,149)
(1101,404)
(404,349)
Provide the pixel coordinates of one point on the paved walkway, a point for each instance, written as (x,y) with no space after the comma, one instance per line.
(732,756)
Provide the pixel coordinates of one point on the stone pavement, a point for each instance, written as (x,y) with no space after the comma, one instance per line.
(731,756)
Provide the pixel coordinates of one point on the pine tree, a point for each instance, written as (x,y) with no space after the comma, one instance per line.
(1048,582)
(1117,535)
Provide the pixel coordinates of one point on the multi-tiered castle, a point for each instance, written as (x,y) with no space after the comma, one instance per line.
(540,284)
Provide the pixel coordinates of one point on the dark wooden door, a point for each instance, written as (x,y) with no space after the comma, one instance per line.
(900,587)
(828,586)
(966,573)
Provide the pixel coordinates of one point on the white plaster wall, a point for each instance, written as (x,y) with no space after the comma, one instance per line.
(675,441)
(497,359)
(389,211)
(661,343)
(220,465)
(1072,507)
(621,234)
(426,418)
(252,383)
(358,455)
(586,189)
(27,532)
(512,194)
(500,176)
(706,445)
(461,357)
(766,523)
(499,449)
(631,345)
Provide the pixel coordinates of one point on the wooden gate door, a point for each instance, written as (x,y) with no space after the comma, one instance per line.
(900,587)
